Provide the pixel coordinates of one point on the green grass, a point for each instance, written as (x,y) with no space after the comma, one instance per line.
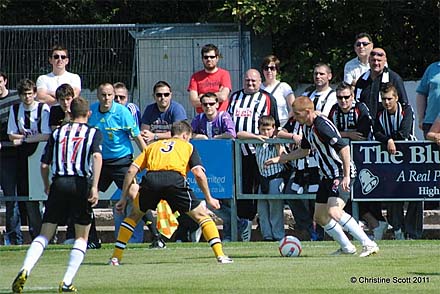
(257,268)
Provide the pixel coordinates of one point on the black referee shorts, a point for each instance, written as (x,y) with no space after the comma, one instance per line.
(170,186)
(68,197)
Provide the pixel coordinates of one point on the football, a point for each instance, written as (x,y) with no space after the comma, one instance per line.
(290,246)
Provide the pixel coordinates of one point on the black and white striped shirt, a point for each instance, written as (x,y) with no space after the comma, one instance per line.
(70,148)
(396,126)
(324,139)
(356,119)
(246,109)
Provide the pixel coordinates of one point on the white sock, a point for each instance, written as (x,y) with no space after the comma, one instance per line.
(351,226)
(336,232)
(76,258)
(34,252)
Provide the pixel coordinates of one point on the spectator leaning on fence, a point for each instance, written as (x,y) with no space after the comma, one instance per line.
(8,165)
(47,84)
(334,153)
(353,122)
(28,125)
(396,122)
(270,211)
(214,124)
(246,106)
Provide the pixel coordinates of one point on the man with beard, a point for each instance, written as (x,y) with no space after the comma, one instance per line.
(210,79)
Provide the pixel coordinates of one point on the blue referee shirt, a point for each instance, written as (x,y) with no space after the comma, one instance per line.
(117,126)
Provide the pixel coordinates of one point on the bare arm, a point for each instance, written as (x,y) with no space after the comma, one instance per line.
(247,135)
(344,154)
(289,100)
(194,98)
(421,108)
(224,136)
(434,132)
(223,94)
(202,182)
(44,170)
(45,96)
(97,165)
(140,142)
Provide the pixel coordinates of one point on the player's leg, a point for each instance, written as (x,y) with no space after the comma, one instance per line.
(126,231)
(33,255)
(76,257)
(210,232)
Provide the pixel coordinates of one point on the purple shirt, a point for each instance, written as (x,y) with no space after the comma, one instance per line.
(219,125)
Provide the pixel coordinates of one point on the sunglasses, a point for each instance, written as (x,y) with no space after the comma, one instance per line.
(56,56)
(344,97)
(120,97)
(209,56)
(209,103)
(374,53)
(272,68)
(358,44)
(158,95)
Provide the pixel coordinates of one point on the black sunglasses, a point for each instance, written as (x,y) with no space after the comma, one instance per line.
(158,95)
(209,103)
(209,56)
(272,68)
(343,97)
(358,44)
(56,56)
(120,97)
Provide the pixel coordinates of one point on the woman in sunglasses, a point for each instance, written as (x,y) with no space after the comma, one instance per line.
(281,91)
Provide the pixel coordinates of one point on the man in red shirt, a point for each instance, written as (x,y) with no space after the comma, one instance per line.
(210,79)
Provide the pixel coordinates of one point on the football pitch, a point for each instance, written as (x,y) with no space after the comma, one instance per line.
(399,267)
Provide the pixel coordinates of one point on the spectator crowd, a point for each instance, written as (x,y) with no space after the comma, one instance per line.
(370,104)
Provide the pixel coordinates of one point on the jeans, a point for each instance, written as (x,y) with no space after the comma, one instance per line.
(8,183)
(271,213)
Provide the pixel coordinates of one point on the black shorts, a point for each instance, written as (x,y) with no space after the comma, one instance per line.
(170,186)
(114,171)
(327,189)
(68,197)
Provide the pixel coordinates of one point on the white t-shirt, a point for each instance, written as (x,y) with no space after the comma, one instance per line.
(51,82)
(353,69)
(280,95)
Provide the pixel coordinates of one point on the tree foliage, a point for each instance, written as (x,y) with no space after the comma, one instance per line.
(307,32)
(303,32)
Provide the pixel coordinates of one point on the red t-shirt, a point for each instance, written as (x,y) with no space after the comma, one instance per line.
(204,82)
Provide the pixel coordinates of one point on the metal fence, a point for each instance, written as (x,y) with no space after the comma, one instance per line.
(127,52)
(97,53)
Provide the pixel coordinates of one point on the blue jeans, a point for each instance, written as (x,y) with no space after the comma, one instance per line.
(271,213)
(8,183)
(138,233)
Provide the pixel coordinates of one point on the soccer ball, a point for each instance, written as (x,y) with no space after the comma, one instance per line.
(290,246)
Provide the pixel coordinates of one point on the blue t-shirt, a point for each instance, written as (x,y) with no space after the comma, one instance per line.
(117,126)
(160,122)
(430,87)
